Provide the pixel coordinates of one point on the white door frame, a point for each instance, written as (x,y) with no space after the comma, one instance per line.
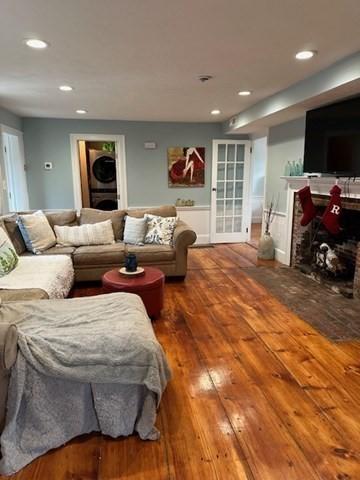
(120,165)
(246,217)
(4,187)
(263,135)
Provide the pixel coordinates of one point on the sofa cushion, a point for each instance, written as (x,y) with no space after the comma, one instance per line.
(21,295)
(12,229)
(164,211)
(152,253)
(100,255)
(58,250)
(63,217)
(91,215)
(36,231)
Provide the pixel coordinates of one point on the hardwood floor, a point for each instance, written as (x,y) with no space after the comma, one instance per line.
(255,235)
(256,393)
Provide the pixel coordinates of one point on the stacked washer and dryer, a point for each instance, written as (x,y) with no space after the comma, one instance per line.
(103,185)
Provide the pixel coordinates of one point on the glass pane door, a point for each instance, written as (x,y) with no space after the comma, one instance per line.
(229,176)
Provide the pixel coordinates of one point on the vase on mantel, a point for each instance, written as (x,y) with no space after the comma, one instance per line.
(266,249)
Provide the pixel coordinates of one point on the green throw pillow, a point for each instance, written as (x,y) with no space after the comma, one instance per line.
(8,255)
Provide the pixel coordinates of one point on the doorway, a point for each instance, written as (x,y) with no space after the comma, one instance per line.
(230,191)
(15,195)
(257,185)
(99,171)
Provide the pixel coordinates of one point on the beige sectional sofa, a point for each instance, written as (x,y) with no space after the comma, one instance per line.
(91,262)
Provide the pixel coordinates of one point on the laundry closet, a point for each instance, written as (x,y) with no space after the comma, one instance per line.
(98,174)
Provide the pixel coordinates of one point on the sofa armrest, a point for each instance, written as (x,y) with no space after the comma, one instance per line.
(8,345)
(183,235)
(8,353)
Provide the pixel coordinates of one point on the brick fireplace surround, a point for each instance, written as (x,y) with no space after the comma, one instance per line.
(350,249)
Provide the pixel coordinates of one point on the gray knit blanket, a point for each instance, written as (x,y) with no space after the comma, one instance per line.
(84,364)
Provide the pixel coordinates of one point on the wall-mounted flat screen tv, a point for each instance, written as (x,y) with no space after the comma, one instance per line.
(332,139)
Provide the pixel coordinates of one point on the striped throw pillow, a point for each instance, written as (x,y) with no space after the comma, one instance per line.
(100,233)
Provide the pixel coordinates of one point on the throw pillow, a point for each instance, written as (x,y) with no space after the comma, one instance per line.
(8,256)
(91,234)
(160,229)
(11,228)
(135,230)
(92,215)
(36,231)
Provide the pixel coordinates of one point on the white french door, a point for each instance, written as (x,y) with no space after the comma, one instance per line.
(230,213)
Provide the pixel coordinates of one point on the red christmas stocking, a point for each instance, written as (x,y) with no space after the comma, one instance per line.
(308,208)
(332,213)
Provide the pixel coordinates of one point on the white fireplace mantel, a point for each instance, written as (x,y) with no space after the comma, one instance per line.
(322,185)
(318,185)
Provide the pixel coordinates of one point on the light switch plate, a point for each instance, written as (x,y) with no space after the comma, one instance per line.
(150,145)
(48,165)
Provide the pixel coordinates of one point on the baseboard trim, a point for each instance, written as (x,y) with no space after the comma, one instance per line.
(280,255)
(203,239)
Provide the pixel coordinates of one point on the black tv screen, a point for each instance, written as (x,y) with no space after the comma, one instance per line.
(332,139)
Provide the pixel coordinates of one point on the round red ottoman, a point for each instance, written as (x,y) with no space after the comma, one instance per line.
(150,287)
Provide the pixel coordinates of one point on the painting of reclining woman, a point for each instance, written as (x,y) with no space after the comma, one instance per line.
(186,166)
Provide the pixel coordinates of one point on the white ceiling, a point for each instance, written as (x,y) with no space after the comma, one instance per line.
(139,59)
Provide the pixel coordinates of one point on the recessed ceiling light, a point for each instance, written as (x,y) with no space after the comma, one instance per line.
(244,93)
(215,112)
(305,54)
(65,88)
(36,43)
(81,111)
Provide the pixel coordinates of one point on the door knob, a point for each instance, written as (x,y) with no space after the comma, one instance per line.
(213,189)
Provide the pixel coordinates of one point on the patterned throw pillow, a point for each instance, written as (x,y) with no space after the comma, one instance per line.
(36,231)
(8,256)
(100,233)
(160,229)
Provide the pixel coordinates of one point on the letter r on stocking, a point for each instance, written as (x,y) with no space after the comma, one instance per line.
(335,209)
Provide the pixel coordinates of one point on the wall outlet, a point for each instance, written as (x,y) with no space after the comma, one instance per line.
(48,166)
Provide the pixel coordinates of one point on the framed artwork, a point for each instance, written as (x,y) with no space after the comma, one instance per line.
(186,166)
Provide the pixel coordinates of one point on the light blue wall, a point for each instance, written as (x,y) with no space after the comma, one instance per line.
(10,119)
(285,143)
(259,156)
(48,140)
(258,165)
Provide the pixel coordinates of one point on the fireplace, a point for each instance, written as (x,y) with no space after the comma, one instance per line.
(331,260)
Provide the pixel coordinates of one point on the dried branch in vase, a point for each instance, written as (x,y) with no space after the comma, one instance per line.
(269,215)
